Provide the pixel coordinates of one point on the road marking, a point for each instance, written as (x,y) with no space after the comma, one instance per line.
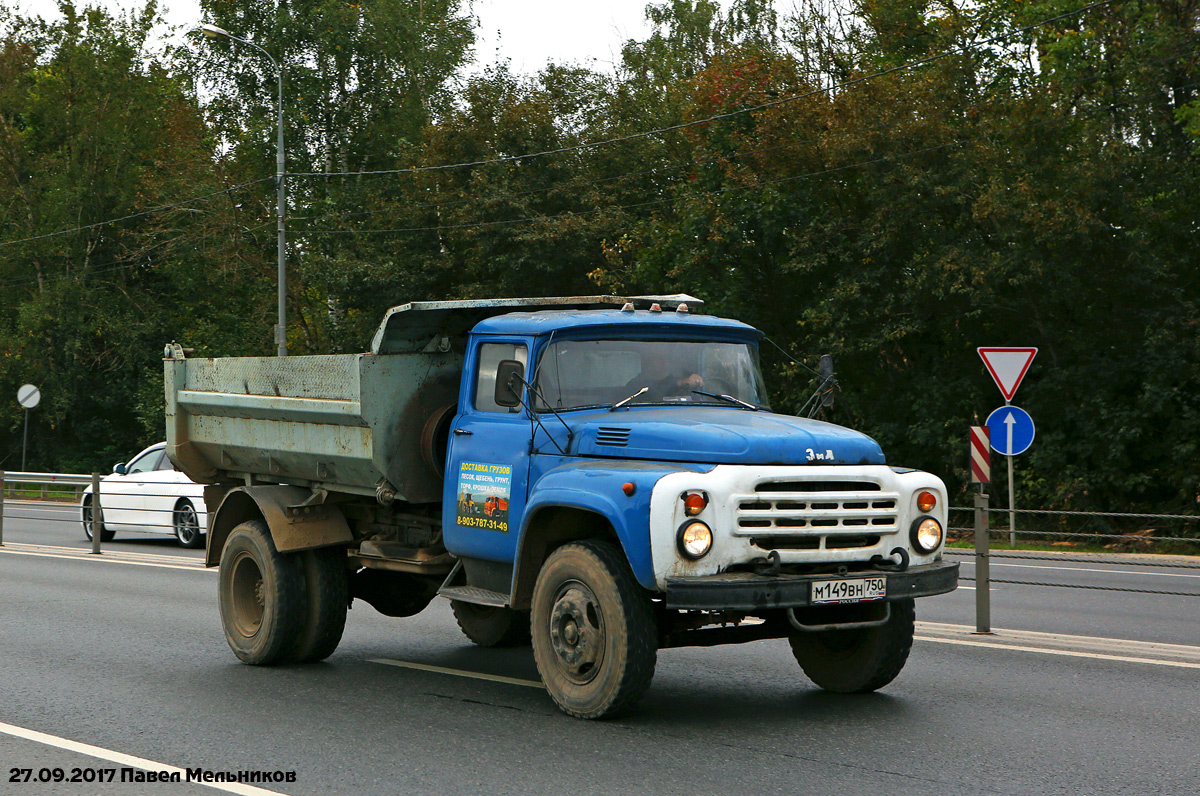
(132,559)
(1069,653)
(425,667)
(1112,649)
(1105,571)
(128,760)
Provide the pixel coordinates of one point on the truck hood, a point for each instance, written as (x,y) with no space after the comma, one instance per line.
(718,435)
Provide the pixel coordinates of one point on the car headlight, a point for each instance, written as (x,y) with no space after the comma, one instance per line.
(694,540)
(926,534)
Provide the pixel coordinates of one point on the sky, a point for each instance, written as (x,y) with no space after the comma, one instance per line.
(526,32)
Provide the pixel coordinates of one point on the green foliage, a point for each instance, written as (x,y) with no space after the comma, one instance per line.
(1037,189)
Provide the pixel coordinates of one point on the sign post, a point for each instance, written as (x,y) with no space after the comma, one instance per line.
(1008,366)
(981,473)
(1011,431)
(28,396)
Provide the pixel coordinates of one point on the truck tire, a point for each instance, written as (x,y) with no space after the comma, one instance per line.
(491,626)
(261,595)
(857,661)
(327,596)
(594,635)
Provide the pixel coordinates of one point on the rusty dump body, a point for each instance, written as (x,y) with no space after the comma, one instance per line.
(362,424)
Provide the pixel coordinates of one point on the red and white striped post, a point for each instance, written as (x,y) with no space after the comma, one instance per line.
(981,456)
(981,473)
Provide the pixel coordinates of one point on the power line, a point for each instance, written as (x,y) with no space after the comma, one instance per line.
(119,265)
(720,116)
(581,183)
(136,215)
(714,192)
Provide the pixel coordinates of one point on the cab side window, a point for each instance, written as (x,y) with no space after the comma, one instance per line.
(490,357)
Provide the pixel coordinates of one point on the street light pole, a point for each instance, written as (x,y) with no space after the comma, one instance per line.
(213,32)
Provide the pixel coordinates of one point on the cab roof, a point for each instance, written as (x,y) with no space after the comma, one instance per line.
(433,325)
(609,320)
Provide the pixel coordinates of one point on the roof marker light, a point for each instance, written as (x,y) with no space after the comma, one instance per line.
(682,308)
(655,307)
(628,307)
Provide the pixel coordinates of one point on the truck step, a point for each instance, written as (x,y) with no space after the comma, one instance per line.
(474,594)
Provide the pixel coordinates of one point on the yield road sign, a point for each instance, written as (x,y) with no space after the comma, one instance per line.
(1011,429)
(1008,366)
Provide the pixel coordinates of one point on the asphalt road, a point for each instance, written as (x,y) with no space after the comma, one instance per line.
(124,652)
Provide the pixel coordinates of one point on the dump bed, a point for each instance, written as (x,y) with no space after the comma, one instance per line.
(348,423)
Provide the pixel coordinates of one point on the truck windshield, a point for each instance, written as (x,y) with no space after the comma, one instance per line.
(573,374)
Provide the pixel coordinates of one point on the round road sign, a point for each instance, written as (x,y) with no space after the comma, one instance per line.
(1011,430)
(29,396)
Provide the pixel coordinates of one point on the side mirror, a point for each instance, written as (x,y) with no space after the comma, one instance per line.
(509,387)
(119,469)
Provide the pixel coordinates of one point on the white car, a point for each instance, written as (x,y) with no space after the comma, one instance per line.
(148,495)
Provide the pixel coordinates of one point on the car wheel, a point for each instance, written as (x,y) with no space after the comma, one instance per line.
(261,594)
(105,534)
(187,525)
(594,635)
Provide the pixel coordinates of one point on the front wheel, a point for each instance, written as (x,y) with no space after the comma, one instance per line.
(594,635)
(857,661)
(187,525)
(105,534)
(491,626)
(261,594)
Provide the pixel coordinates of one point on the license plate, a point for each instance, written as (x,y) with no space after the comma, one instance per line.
(852,590)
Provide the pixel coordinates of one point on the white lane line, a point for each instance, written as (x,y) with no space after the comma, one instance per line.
(129,760)
(1105,571)
(424,667)
(110,558)
(996,563)
(1049,651)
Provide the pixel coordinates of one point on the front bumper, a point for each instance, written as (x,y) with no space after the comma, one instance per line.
(745,591)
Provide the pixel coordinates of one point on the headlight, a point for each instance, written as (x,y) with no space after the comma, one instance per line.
(695,540)
(926,534)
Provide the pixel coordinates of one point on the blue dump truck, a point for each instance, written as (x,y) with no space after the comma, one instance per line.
(599,476)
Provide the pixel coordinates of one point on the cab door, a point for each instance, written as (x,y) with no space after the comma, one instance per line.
(487,466)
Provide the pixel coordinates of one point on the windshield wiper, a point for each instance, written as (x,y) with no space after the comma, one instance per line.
(624,401)
(729,398)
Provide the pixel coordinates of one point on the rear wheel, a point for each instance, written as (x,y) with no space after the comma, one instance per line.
(594,635)
(492,626)
(105,534)
(857,661)
(187,525)
(261,594)
(327,595)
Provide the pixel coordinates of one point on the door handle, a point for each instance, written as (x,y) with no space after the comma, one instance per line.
(462,432)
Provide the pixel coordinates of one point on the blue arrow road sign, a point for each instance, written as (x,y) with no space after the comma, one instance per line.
(1011,429)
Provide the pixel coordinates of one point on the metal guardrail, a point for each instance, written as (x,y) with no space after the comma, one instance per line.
(17,484)
(983,554)
(68,483)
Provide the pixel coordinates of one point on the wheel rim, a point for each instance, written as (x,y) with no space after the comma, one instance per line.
(248,598)
(577,634)
(87,520)
(187,525)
